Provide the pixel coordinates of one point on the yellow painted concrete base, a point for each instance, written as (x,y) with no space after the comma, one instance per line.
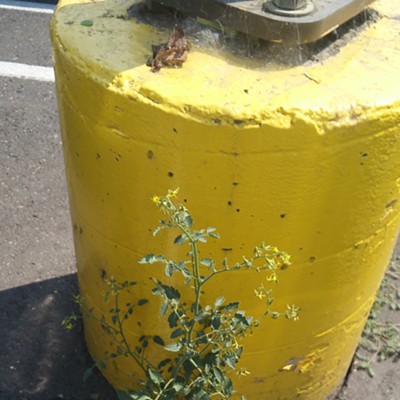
(261,153)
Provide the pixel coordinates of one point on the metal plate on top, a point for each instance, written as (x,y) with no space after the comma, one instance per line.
(288,21)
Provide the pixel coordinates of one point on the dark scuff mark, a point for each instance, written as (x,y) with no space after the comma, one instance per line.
(391,204)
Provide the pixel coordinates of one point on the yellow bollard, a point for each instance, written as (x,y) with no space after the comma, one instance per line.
(306,158)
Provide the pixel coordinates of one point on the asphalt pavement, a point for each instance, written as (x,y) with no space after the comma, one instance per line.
(39,360)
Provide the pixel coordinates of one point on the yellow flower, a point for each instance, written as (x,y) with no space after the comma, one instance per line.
(155,199)
(293,312)
(259,293)
(272,278)
(243,372)
(173,193)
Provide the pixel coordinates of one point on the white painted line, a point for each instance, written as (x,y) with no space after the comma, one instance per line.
(27,6)
(24,71)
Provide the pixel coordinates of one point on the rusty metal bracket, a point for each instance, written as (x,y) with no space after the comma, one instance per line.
(288,21)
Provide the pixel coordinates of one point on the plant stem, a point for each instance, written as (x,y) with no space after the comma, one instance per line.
(125,342)
(236,267)
(196,276)
(220,271)
(172,380)
(198,282)
(215,390)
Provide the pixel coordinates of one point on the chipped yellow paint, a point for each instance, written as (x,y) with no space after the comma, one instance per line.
(306,158)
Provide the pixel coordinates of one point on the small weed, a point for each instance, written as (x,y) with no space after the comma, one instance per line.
(204,343)
(381,339)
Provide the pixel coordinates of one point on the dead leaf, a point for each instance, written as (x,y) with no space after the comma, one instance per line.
(170,54)
(292,364)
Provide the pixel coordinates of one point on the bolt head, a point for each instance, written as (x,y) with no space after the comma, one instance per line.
(290,4)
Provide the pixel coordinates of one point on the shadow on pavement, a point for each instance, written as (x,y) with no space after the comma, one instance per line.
(39,359)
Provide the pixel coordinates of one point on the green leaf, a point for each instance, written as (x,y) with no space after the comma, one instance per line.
(219,301)
(201,395)
(151,259)
(170,268)
(87,22)
(187,220)
(207,368)
(155,377)
(208,262)
(173,320)
(164,308)
(231,306)
(158,340)
(171,292)
(219,376)
(180,239)
(216,322)
(174,347)
(228,386)
(200,315)
(242,320)
(141,302)
(114,319)
(370,372)
(178,387)
(87,374)
(130,311)
(176,333)
(101,365)
(135,395)
(123,395)
(211,232)
(186,272)
(199,237)
(142,397)
(157,291)
(163,363)
(231,362)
